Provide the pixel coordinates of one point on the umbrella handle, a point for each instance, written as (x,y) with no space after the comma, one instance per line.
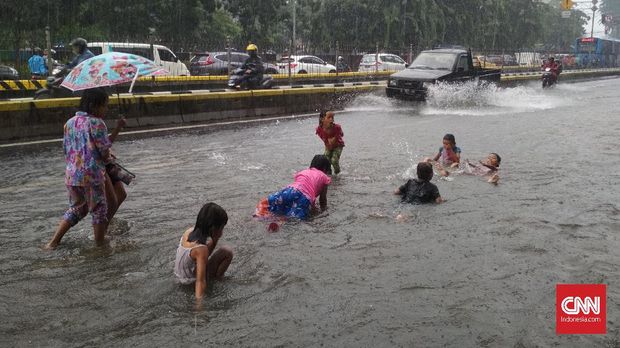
(133,81)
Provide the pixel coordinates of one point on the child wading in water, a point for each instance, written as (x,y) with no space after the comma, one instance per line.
(197,260)
(449,154)
(331,134)
(420,190)
(87,150)
(297,199)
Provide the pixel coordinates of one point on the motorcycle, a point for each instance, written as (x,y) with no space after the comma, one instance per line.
(238,80)
(53,88)
(548,78)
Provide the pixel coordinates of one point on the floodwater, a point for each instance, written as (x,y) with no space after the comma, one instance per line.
(477,271)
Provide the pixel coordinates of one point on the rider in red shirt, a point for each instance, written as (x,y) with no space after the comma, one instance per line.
(553,66)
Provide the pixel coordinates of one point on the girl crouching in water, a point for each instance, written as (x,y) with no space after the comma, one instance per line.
(297,199)
(197,260)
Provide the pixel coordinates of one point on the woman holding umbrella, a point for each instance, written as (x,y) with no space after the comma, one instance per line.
(87,150)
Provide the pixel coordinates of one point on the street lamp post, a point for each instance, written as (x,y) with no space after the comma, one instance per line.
(594,8)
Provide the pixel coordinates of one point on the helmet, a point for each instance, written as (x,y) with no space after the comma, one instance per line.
(251,47)
(37,51)
(340,58)
(79,43)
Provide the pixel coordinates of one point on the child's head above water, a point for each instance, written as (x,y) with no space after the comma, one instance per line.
(94,101)
(326,117)
(321,163)
(211,218)
(494,159)
(425,171)
(449,141)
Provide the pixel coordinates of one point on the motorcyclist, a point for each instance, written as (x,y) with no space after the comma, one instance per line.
(554,68)
(253,67)
(341,65)
(37,66)
(80,49)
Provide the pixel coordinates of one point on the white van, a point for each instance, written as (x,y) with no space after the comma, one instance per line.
(161,55)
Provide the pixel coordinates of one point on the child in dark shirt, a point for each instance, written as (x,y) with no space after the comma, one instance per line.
(420,190)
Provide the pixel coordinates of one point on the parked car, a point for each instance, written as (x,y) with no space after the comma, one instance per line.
(161,55)
(304,65)
(8,73)
(216,63)
(387,62)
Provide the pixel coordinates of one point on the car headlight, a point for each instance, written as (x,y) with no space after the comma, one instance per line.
(427,84)
(392,83)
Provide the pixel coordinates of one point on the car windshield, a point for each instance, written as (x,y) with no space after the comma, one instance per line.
(200,58)
(433,61)
(368,59)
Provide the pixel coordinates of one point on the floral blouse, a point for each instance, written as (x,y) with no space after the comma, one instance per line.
(86,145)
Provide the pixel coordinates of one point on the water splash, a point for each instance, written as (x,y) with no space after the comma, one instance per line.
(472,98)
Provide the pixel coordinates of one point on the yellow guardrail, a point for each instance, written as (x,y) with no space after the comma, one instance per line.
(30,85)
(22,105)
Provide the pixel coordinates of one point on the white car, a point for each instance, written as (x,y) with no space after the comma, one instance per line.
(387,62)
(159,54)
(304,65)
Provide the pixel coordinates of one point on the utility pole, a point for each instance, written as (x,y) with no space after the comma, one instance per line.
(294,27)
(48,46)
(594,8)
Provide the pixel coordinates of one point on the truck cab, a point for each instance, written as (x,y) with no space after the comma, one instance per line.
(433,66)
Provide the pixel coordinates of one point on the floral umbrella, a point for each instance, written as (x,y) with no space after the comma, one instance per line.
(110,69)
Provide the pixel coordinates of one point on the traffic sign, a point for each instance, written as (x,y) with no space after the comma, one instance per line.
(567,5)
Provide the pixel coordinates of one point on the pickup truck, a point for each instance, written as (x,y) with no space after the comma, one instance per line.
(433,66)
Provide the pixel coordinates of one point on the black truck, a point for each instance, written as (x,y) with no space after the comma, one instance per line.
(433,66)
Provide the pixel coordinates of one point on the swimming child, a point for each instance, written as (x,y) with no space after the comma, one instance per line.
(87,150)
(297,199)
(488,167)
(196,259)
(331,134)
(449,154)
(420,190)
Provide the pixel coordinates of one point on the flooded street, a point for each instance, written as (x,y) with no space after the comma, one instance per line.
(479,270)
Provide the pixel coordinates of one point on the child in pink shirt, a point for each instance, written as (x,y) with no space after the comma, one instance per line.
(297,199)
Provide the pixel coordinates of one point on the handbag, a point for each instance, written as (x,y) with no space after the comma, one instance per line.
(119,173)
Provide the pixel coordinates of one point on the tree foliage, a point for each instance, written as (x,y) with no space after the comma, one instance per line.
(320,24)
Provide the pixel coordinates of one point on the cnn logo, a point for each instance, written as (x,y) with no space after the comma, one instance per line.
(573,305)
(581,309)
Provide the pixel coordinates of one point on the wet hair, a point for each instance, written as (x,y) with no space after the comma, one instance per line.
(450,137)
(210,217)
(425,171)
(322,163)
(322,115)
(499,159)
(92,99)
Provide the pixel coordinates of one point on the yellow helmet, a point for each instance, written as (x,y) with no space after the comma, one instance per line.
(251,47)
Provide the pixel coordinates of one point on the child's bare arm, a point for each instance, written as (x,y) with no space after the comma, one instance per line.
(439,200)
(201,255)
(119,126)
(437,156)
(323,199)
